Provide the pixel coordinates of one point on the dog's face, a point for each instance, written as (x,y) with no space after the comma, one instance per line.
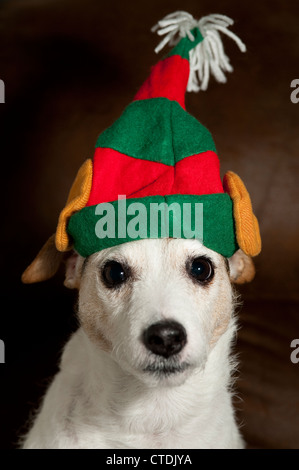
(157,307)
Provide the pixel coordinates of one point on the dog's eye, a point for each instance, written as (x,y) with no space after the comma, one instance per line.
(201,269)
(114,274)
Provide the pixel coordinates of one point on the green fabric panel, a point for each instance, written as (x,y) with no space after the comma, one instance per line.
(159,130)
(218,223)
(185,45)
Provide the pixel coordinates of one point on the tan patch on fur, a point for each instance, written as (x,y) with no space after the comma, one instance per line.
(220,327)
(243,267)
(96,335)
(92,314)
(73,272)
(222,314)
(248,271)
(94,320)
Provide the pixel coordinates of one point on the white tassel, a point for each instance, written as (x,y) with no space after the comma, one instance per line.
(208,57)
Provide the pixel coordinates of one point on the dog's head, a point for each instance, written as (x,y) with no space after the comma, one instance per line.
(157,307)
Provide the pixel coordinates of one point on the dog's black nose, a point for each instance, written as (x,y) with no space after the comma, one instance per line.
(165,338)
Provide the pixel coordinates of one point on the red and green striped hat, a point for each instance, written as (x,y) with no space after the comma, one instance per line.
(157,153)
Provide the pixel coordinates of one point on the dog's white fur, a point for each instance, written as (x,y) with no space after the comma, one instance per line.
(102,397)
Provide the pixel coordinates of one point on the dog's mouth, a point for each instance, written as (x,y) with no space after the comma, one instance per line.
(165,368)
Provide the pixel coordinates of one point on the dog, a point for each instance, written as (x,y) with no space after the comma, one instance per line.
(150,365)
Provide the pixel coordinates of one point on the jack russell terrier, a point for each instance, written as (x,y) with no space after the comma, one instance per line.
(150,365)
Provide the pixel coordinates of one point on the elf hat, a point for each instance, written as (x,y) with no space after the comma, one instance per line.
(156,153)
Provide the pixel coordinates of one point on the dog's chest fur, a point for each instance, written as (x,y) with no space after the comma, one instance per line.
(102,407)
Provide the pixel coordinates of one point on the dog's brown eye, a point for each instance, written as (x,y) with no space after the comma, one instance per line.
(114,274)
(201,269)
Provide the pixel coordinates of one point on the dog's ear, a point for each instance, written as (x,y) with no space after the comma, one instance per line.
(47,262)
(241,268)
(73,271)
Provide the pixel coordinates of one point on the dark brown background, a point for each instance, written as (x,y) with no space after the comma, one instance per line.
(70,67)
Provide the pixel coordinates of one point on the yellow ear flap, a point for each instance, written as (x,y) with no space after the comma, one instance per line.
(247,227)
(77,199)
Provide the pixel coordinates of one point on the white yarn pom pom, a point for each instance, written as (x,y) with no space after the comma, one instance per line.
(208,57)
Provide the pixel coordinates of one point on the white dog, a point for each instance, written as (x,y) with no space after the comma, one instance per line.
(150,365)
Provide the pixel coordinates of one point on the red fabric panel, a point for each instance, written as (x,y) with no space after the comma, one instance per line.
(117,174)
(168,79)
(198,174)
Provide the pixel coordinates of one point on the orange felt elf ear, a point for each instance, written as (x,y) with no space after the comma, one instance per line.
(247,227)
(77,199)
